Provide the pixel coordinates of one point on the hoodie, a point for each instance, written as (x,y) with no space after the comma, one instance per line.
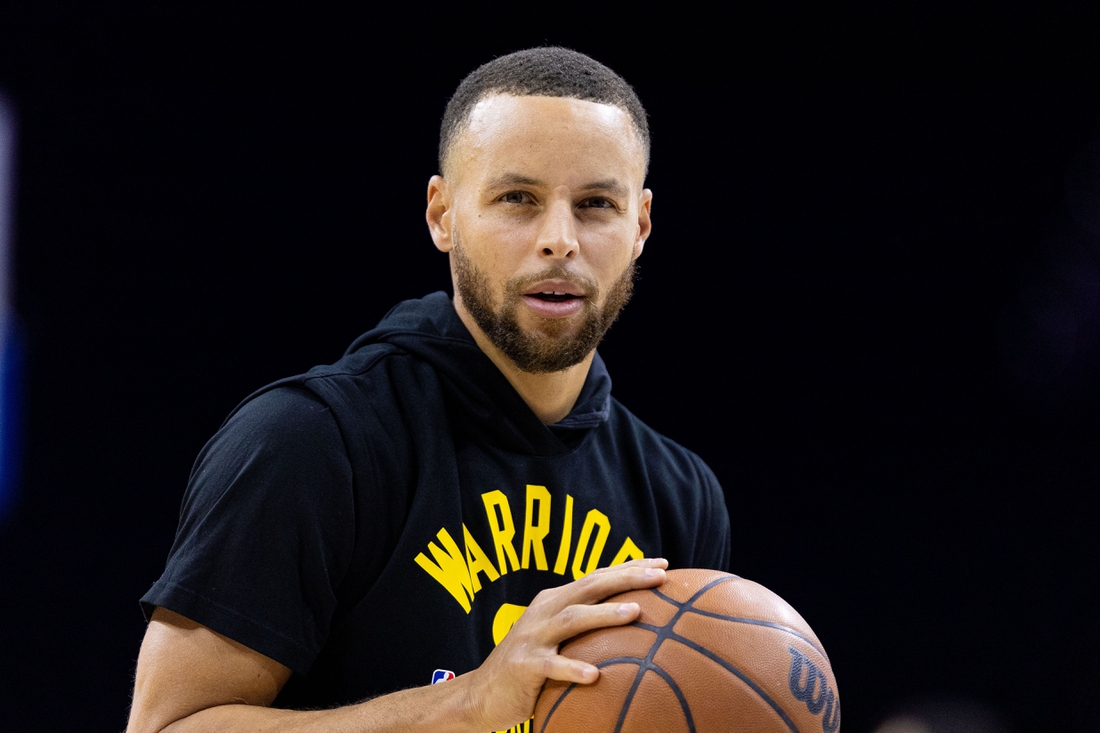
(381,522)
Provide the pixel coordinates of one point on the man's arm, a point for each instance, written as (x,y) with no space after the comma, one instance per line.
(190,678)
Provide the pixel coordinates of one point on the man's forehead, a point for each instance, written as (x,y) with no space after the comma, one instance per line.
(504,124)
(492,107)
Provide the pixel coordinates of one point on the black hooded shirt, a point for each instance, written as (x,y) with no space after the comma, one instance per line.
(381,522)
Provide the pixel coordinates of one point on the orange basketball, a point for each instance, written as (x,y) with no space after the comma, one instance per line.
(709,652)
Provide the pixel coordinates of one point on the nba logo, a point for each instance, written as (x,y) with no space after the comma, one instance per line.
(442,675)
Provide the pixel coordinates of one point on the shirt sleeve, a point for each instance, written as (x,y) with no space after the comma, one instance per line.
(713,543)
(266,529)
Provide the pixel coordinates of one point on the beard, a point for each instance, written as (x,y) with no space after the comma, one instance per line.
(550,348)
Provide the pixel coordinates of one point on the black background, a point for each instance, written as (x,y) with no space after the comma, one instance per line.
(871,302)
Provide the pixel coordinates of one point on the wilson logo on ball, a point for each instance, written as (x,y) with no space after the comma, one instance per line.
(814,690)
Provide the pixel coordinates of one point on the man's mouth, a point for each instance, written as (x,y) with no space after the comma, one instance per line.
(553,296)
(556,297)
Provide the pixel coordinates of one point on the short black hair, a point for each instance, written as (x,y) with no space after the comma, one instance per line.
(547,71)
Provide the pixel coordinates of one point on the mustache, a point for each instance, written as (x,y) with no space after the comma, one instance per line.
(556,272)
(517,286)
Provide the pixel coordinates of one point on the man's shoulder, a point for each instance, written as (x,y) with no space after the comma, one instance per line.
(397,350)
(658,451)
(283,420)
(371,404)
(370,374)
(352,415)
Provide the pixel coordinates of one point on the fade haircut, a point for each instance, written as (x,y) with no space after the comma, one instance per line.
(548,71)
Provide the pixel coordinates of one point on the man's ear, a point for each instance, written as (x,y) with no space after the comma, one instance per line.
(439,214)
(645,225)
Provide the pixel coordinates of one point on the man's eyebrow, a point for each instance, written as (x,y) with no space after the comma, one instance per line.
(611,185)
(513,179)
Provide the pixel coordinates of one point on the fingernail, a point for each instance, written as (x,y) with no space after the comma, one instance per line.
(654,572)
(625,609)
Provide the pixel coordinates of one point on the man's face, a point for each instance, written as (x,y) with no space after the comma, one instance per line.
(545,215)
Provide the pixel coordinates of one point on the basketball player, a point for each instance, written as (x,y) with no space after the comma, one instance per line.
(458,494)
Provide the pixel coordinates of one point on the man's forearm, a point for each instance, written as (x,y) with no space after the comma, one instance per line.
(444,707)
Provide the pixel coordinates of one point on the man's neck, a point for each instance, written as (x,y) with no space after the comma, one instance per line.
(552,395)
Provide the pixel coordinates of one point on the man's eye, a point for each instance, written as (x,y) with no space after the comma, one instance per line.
(514,197)
(597,202)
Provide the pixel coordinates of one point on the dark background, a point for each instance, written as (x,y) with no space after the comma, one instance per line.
(871,302)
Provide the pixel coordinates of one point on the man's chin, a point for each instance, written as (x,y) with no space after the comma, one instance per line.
(551,330)
(544,345)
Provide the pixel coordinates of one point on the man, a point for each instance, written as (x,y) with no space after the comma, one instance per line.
(457,495)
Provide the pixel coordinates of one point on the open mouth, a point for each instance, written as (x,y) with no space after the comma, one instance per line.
(553,296)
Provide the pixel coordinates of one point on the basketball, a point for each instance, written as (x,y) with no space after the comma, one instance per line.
(709,652)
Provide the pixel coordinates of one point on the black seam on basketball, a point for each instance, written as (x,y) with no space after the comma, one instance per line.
(682,604)
(739,674)
(644,665)
(679,696)
(598,665)
(708,586)
(630,695)
(554,707)
(618,660)
(758,622)
(665,598)
(663,633)
(689,605)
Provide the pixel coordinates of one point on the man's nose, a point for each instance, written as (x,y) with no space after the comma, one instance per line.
(558,234)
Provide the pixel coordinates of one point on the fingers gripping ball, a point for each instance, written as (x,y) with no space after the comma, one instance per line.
(709,652)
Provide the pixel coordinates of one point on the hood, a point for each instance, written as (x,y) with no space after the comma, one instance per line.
(430,329)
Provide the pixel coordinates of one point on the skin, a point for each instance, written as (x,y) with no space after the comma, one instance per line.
(533,182)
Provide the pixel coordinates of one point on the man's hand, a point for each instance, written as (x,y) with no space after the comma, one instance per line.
(504,689)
